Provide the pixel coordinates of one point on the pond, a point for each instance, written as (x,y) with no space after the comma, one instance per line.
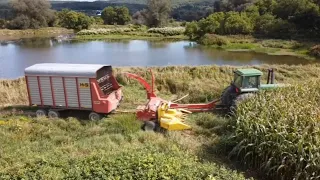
(16,55)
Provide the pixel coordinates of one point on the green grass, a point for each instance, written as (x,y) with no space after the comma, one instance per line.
(114,148)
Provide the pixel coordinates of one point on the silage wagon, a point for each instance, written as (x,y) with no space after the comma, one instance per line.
(56,87)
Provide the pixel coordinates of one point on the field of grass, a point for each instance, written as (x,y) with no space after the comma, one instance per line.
(101,32)
(116,148)
(6,34)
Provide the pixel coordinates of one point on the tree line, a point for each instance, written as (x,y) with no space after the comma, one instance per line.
(33,14)
(268,18)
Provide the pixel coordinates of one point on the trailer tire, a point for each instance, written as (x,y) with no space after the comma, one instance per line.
(93,116)
(53,114)
(41,113)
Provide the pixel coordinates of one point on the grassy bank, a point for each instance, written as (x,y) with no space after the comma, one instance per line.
(115,148)
(298,48)
(6,34)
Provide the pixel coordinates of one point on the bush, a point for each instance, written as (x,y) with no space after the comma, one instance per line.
(192,30)
(212,39)
(116,15)
(264,24)
(74,20)
(315,51)
(278,132)
(168,31)
(282,29)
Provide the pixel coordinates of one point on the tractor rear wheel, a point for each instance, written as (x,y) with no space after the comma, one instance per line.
(53,114)
(239,99)
(228,96)
(41,113)
(93,116)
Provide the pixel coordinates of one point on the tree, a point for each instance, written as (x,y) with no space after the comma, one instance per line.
(264,24)
(192,30)
(123,15)
(266,6)
(116,15)
(74,20)
(238,23)
(31,14)
(158,12)
(109,15)
(141,17)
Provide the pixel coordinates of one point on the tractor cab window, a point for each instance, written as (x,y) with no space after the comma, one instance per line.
(237,80)
(251,82)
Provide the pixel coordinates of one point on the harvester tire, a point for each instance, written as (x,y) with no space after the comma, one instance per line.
(53,114)
(41,113)
(149,126)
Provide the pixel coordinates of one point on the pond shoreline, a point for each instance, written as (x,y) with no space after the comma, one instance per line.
(236,43)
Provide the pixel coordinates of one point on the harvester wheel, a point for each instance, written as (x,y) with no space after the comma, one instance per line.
(95,116)
(53,114)
(41,113)
(149,126)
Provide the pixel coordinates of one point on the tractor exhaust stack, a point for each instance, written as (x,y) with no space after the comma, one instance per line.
(271,76)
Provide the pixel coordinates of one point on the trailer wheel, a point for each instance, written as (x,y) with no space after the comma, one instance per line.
(41,113)
(95,116)
(53,114)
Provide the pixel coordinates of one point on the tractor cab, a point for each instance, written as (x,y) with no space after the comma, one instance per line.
(247,80)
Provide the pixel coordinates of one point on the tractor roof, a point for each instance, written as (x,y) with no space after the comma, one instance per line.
(249,72)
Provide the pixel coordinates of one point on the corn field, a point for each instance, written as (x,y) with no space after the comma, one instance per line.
(279,132)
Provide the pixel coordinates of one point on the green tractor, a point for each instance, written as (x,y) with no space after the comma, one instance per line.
(245,84)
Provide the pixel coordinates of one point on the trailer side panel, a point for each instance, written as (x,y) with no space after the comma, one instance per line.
(34,90)
(58,92)
(85,93)
(46,91)
(71,90)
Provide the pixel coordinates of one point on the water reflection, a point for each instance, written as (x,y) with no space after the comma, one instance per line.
(17,55)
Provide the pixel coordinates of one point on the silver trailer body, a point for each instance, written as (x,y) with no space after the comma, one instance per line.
(61,85)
